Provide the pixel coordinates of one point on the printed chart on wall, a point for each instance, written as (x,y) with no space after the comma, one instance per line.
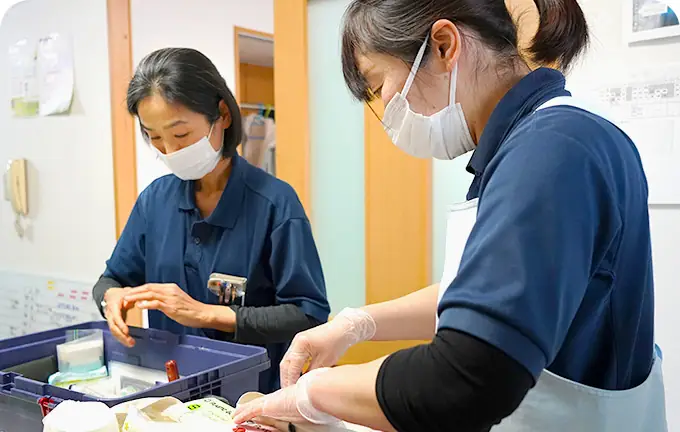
(41,76)
(647,108)
(651,19)
(31,304)
(23,78)
(55,74)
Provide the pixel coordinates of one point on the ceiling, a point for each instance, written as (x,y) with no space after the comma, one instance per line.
(256,51)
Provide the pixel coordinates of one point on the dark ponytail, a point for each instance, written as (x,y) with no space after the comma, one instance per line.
(562,33)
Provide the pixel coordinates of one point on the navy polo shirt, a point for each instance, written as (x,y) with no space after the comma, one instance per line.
(258,230)
(557,271)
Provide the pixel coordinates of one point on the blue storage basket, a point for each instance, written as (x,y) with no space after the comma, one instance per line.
(208,367)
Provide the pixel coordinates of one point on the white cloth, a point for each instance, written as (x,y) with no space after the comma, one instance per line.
(459,223)
(556,404)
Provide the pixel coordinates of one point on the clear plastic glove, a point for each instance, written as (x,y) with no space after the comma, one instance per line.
(290,404)
(324,345)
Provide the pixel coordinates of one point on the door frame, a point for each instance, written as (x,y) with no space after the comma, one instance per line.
(240,31)
(291,92)
(122,123)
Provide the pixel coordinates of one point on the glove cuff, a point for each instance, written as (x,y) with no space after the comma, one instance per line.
(361,323)
(304,404)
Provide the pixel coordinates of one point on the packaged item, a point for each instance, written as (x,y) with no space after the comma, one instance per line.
(171,370)
(161,415)
(136,375)
(210,408)
(66,379)
(212,414)
(121,380)
(83,351)
(216,410)
(71,416)
(104,388)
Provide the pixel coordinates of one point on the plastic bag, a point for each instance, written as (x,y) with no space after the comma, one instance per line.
(83,351)
(169,415)
(71,416)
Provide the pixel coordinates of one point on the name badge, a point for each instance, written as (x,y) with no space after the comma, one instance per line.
(231,290)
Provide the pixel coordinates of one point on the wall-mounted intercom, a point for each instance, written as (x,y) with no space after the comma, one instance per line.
(16,190)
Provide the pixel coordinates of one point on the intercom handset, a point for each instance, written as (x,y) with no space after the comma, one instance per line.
(16,191)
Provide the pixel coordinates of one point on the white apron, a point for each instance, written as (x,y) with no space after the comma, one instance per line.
(556,404)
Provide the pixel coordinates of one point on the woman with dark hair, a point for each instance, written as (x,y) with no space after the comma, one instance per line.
(544,316)
(215,221)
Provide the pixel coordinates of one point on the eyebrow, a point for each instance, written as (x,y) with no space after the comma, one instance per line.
(169,126)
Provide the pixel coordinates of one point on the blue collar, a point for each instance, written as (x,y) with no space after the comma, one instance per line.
(229,206)
(533,90)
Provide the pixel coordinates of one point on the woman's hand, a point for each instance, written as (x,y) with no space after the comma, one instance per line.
(291,404)
(324,345)
(280,405)
(116,312)
(172,301)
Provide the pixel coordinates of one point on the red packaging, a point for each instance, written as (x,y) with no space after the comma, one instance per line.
(171,370)
(45,405)
(254,427)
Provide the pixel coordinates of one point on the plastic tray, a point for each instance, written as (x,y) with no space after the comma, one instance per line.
(208,367)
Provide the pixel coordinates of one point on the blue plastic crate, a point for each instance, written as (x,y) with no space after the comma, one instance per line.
(208,367)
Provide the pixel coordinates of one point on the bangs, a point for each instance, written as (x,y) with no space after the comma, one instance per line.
(375,26)
(356,30)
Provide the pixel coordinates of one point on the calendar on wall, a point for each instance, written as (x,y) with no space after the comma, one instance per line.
(30,304)
(647,107)
(646,20)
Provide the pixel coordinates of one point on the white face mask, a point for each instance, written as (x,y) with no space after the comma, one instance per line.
(193,162)
(443,135)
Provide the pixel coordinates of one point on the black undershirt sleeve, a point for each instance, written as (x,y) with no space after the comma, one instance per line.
(270,324)
(254,325)
(100,288)
(456,383)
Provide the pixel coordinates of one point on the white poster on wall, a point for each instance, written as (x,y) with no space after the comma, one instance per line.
(651,19)
(55,74)
(23,78)
(647,107)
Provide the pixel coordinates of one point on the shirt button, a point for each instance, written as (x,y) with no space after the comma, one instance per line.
(197,240)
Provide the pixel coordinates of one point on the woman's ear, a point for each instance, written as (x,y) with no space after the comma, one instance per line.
(225,115)
(446,43)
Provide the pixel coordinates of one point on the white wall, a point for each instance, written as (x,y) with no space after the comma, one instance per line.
(610,57)
(205,25)
(70,157)
(5,5)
